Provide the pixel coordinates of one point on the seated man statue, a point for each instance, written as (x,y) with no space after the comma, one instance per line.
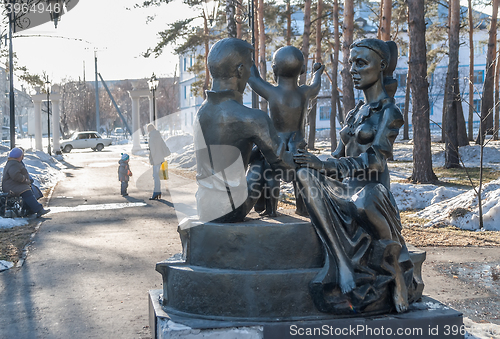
(226,132)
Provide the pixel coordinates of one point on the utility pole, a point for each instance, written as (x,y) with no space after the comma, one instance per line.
(11,82)
(97,118)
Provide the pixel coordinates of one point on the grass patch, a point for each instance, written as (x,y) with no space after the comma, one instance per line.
(408,218)
(459,177)
(13,240)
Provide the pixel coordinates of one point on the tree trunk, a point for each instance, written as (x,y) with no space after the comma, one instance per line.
(451,141)
(471,74)
(305,38)
(230,14)
(314,109)
(445,107)
(487,99)
(422,159)
(348,30)
(463,140)
(497,101)
(262,49)
(406,126)
(288,23)
(239,26)
(207,49)
(386,21)
(380,20)
(335,64)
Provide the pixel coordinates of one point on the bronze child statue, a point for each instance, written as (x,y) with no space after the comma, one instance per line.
(288,107)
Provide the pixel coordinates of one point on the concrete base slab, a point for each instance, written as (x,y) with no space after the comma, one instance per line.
(425,319)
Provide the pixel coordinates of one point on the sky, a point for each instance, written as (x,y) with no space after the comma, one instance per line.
(119,36)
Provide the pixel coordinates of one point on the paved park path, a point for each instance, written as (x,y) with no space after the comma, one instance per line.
(89,269)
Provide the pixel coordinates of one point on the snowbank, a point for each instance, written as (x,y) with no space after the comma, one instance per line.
(185,158)
(177,143)
(462,211)
(12,222)
(414,197)
(5,265)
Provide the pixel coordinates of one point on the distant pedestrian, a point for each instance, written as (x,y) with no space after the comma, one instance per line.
(158,151)
(124,173)
(17,182)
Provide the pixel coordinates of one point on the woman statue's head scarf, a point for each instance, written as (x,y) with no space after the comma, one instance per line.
(388,52)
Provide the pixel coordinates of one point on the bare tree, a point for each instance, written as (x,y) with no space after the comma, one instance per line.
(471,73)
(385,28)
(230,18)
(288,23)
(262,49)
(313,111)
(422,159)
(335,62)
(348,33)
(406,127)
(452,100)
(306,37)
(487,99)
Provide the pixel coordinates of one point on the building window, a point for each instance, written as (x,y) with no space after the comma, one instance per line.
(185,64)
(185,92)
(479,47)
(478,77)
(477,105)
(401,106)
(401,78)
(324,113)
(325,83)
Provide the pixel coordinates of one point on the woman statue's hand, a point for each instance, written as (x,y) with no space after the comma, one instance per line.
(306,159)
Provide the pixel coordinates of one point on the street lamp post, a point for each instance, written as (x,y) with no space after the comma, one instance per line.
(153,85)
(47,89)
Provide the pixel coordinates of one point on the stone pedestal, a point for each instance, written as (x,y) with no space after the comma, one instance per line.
(256,273)
(427,319)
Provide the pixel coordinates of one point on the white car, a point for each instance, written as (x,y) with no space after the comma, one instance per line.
(87,139)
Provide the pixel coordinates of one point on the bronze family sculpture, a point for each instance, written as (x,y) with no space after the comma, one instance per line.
(351,261)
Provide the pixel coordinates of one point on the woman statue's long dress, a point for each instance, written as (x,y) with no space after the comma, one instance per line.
(349,200)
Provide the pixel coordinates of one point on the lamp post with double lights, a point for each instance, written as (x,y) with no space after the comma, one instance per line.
(47,89)
(153,85)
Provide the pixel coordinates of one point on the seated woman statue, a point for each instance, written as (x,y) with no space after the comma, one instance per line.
(349,199)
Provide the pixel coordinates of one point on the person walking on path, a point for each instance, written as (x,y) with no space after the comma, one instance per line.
(124,173)
(158,151)
(17,182)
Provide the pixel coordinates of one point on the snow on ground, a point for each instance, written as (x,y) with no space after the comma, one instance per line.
(462,211)
(415,197)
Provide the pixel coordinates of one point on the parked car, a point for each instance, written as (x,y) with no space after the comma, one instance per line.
(87,139)
(118,131)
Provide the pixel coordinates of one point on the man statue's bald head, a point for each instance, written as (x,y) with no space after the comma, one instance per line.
(226,56)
